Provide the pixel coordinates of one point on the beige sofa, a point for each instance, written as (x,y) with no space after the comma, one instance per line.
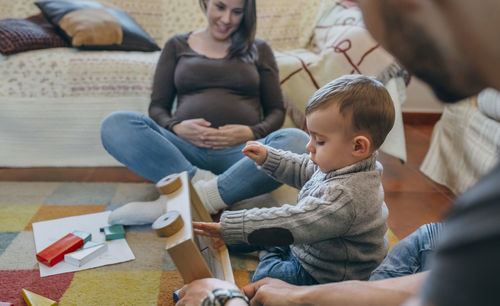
(52,101)
(465,142)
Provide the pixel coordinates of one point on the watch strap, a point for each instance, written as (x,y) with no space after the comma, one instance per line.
(219,297)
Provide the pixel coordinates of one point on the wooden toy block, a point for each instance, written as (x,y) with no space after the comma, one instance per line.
(169,184)
(84,255)
(86,236)
(168,224)
(90,244)
(193,255)
(54,253)
(113,232)
(33,299)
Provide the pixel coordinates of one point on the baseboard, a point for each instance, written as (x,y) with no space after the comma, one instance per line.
(71,174)
(414,118)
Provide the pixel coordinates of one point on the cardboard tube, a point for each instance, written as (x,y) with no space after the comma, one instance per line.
(169,184)
(168,224)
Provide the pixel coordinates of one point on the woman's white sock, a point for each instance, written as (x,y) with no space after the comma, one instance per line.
(202,175)
(209,195)
(136,213)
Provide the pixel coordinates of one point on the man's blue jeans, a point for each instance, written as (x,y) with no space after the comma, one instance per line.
(154,152)
(410,255)
(281,264)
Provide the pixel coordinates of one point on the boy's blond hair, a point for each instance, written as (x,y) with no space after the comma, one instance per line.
(365,98)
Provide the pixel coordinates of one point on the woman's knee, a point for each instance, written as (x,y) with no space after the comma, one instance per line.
(114,122)
(117,122)
(116,125)
(290,139)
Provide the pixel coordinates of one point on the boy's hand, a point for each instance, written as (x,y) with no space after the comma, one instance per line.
(209,229)
(256,151)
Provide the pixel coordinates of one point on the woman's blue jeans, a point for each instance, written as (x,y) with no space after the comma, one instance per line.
(154,152)
(410,255)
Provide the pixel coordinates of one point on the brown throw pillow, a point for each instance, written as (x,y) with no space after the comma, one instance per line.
(95,27)
(35,32)
(90,25)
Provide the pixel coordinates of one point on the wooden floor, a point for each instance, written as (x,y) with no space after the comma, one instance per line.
(412,198)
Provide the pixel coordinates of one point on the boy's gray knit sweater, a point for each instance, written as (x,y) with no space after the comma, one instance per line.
(336,230)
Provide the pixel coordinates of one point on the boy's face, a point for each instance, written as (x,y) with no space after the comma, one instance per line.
(331,142)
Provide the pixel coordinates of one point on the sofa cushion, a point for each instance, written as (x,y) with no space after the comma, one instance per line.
(70,73)
(17,35)
(90,25)
(286,24)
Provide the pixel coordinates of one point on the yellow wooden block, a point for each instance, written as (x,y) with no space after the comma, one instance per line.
(33,299)
(392,238)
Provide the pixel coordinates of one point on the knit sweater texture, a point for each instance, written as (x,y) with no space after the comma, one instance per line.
(337,228)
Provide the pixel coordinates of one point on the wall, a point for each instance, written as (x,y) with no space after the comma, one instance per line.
(421,99)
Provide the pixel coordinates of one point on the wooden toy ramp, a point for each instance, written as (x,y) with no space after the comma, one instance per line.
(193,255)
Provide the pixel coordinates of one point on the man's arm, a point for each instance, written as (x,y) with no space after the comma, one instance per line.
(393,291)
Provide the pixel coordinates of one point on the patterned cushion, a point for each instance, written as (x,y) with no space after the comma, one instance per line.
(90,25)
(33,33)
(286,24)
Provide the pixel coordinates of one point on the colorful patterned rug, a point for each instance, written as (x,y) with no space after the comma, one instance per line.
(150,279)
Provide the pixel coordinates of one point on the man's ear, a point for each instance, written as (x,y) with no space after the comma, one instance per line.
(361,146)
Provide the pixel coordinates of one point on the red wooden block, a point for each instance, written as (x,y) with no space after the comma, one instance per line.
(54,253)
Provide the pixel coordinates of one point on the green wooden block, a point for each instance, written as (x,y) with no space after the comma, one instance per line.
(113,232)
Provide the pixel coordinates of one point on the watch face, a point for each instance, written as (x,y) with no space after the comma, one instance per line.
(221,296)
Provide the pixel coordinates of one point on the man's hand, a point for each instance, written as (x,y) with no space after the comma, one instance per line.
(194,131)
(256,151)
(386,292)
(209,229)
(228,135)
(194,292)
(270,291)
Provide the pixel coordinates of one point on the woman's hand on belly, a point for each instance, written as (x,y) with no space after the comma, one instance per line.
(227,135)
(194,131)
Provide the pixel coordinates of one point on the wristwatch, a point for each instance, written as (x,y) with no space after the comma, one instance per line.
(219,297)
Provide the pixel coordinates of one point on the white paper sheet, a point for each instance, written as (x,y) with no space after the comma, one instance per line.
(48,232)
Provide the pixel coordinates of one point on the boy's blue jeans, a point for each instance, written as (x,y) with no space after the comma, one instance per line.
(281,264)
(410,255)
(154,152)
